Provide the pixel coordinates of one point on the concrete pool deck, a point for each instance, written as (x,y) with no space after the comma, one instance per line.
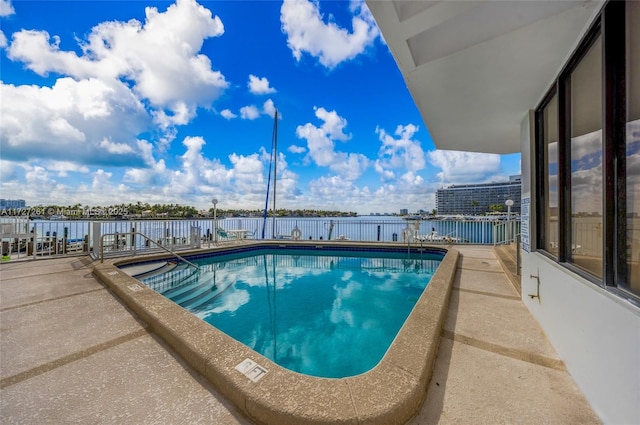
(72,352)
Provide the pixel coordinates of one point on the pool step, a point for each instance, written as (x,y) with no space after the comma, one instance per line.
(199,302)
(204,285)
(187,287)
(193,282)
(176,277)
(141,271)
(171,282)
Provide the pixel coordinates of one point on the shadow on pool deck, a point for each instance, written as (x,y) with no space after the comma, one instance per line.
(71,352)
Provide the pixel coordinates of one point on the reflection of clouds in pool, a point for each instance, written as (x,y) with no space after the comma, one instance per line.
(231,302)
(254,275)
(389,281)
(260,336)
(313,352)
(309,345)
(339,312)
(320,318)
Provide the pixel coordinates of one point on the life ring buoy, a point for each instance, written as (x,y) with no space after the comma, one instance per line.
(296,234)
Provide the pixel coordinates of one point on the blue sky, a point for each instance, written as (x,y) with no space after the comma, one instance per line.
(104,102)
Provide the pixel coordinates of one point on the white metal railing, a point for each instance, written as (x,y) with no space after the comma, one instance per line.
(23,238)
(116,237)
(47,238)
(505,232)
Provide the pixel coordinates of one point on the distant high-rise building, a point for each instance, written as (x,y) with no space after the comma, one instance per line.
(475,199)
(404,211)
(12,203)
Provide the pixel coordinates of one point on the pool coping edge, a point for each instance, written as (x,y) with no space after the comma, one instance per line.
(391,392)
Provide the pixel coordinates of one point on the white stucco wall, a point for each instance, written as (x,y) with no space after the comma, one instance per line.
(596,333)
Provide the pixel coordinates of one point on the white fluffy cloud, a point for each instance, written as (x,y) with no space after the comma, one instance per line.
(6,8)
(152,174)
(308,33)
(249,112)
(89,121)
(296,149)
(333,124)
(101,180)
(350,165)
(252,112)
(464,167)
(134,79)
(336,192)
(259,85)
(8,170)
(241,185)
(269,108)
(227,114)
(321,147)
(399,153)
(158,57)
(128,78)
(334,188)
(319,144)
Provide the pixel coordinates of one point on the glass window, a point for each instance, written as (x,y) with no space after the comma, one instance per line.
(632,43)
(576,147)
(586,162)
(550,152)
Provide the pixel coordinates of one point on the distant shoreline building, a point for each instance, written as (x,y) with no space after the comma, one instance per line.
(476,199)
(6,204)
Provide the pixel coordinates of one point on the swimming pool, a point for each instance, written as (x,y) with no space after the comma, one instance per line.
(328,313)
(267,393)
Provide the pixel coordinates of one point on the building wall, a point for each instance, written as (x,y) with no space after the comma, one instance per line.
(596,333)
(476,199)
(12,203)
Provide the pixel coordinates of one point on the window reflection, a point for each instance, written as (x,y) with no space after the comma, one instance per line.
(582,153)
(633,205)
(633,146)
(586,162)
(550,124)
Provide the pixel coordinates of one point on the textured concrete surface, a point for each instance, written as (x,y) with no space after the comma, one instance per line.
(494,364)
(70,352)
(507,256)
(90,359)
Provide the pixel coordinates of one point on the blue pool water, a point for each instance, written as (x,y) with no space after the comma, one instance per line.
(329,314)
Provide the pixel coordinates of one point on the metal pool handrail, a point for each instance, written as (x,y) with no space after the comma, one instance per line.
(148,239)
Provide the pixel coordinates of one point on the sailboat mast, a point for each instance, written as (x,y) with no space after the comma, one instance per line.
(275,170)
(266,201)
(274,148)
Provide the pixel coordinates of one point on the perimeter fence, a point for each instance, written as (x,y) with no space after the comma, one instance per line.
(23,238)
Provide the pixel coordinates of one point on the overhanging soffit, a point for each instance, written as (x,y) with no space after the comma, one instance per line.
(474,68)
